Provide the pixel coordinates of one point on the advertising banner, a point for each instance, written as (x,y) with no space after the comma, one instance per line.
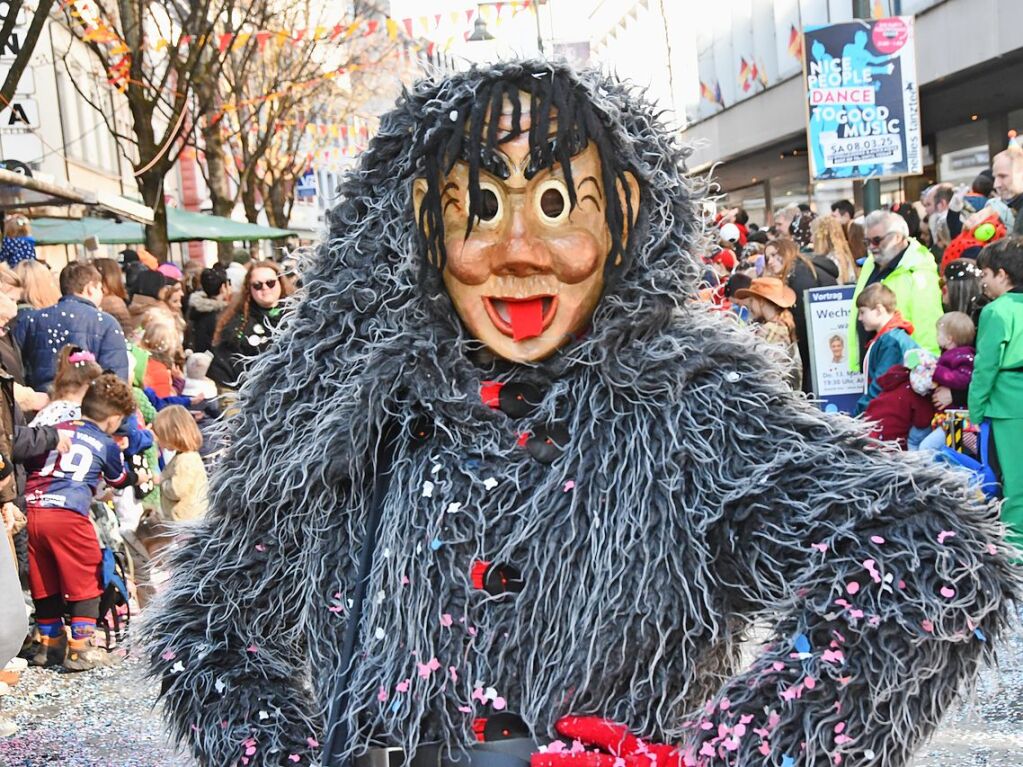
(863,101)
(827,325)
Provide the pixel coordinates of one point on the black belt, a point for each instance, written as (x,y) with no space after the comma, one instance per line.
(514,752)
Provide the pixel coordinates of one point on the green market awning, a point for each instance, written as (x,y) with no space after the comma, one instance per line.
(182,226)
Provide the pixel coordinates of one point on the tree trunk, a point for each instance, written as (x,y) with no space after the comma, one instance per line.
(151,186)
(249,201)
(28,44)
(219,184)
(275,204)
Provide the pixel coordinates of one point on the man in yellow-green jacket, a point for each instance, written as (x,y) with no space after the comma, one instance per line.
(996,391)
(905,267)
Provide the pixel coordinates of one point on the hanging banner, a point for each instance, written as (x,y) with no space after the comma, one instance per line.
(827,327)
(863,100)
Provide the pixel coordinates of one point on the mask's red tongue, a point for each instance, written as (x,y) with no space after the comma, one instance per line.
(526,318)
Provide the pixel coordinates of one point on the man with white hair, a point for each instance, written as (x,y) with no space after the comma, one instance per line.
(1007,169)
(907,268)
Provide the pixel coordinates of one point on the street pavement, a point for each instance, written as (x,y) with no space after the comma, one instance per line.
(108,718)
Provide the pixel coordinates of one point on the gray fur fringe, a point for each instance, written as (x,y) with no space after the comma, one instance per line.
(696,495)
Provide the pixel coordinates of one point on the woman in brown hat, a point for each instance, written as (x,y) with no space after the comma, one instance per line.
(770,301)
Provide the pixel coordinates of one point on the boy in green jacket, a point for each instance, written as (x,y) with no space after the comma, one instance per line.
(996,391)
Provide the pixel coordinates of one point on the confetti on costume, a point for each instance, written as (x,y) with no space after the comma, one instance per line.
(698,482)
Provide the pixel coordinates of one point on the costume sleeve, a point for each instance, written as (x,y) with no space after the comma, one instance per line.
(882,575)
(991,337)
(113,351)
(955,222)
(227,639)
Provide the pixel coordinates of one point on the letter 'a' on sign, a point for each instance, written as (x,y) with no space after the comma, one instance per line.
(862,99)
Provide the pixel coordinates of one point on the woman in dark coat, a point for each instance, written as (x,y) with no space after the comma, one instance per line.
(244,328)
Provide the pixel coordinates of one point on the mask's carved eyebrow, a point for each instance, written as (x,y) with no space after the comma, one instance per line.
(550,149)
(596,186)
(454,198)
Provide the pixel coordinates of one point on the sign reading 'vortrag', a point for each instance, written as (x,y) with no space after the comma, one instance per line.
(863,108)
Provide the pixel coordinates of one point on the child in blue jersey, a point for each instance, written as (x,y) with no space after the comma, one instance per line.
(64,553)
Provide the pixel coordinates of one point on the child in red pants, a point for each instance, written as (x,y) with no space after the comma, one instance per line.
(64,553)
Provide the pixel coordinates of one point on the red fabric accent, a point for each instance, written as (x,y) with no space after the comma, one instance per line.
(479,727)
(63,555)
(523,439)
(526,318)
(897,321)
(490,392)
(613,739)
(479,573)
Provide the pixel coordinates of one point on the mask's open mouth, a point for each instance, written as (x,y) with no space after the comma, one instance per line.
(521,318)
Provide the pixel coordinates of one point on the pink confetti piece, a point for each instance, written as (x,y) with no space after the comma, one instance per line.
(426,669)
(472,631)
(725,704)
(992,549)
(877,539)
(465,709)
(569,486)
(453,673)
(856,613)
(927,626)
(252,649)
(446,620)
(948,592)
(312,742)
(840,728)
(477,694)
(168,655)
(403,685)
(842,739)
(944,535)
(578,747)
(382,694)
(335,609)
(852,587)
(557,747)
(499,704)
(765,748)
(405,581)
(260,547)
(778,666)
(821,547)
(294,758)
(746,719)
(810,682)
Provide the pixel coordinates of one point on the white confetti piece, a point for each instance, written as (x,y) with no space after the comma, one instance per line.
(219,686)
(435,469)
(380,633)
(263,716)
(381,596)
(427,489)
(177,668)
(453,508)
(732,377)
(490,483)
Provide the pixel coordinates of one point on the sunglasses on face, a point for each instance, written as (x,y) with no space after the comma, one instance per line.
(269,284)
(876,241)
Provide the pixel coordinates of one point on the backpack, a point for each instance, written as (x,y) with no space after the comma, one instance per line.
(984,475)
(114,607)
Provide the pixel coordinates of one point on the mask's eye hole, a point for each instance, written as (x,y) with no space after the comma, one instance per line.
(552,201)
(490,203)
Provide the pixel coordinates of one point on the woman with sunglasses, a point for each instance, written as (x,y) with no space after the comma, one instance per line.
(245,326)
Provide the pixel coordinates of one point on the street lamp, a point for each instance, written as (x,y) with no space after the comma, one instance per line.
(480,32)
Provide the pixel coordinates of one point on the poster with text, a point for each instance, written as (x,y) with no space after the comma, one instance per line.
(827,323)
(863,101)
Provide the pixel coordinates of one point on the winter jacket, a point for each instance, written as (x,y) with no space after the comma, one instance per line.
(203,313)
(897,408)
(8,482)
(914,280)
(1016,203)
(118,309)
(886,349)
(42,333)
(240,341)
(996,390)
(14,250)
(183,487)
(954,368)
(158,378)
(801,279)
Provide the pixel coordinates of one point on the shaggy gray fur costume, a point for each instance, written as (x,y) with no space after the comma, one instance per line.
(696,494)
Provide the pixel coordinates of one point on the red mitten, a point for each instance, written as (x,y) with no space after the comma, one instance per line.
(618,747)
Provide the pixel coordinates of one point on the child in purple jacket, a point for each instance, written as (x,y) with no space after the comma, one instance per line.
(954,369)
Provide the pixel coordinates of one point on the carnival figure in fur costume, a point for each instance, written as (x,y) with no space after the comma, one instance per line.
(569,488)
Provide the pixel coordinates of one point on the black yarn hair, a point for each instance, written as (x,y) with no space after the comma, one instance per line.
(469,133)
(1005,254)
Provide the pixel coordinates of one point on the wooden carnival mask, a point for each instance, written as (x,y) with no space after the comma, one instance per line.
(527,277)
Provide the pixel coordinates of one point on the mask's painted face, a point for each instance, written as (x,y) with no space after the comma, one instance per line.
(529,275)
